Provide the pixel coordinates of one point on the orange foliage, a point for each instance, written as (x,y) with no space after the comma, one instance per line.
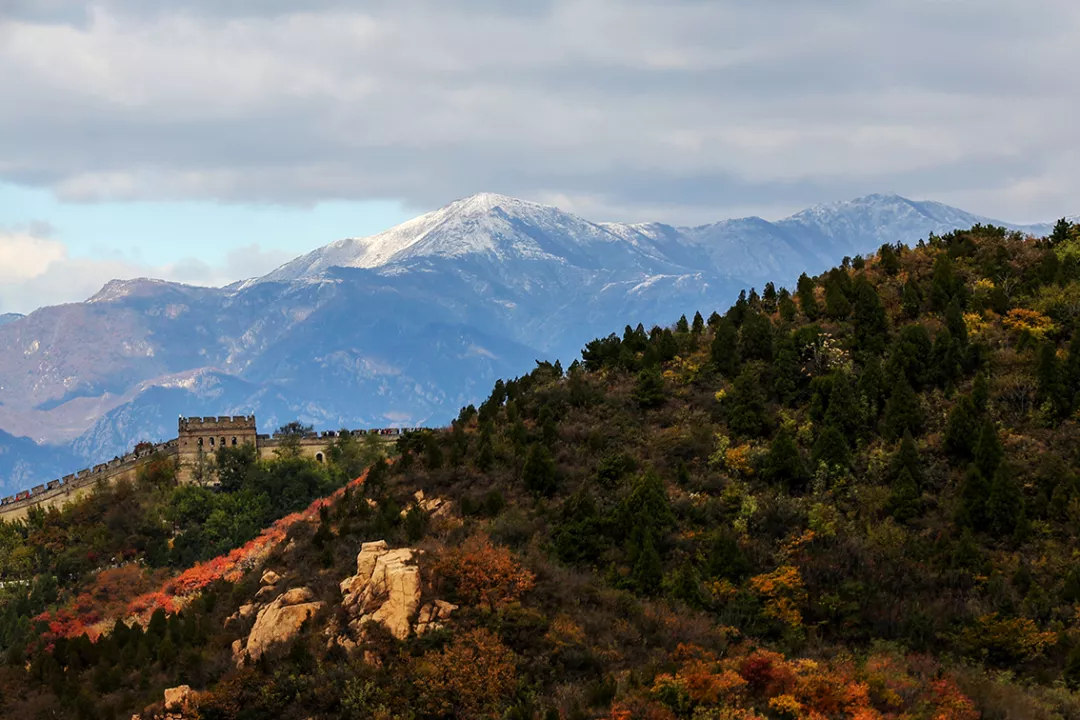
(484,573)
(471,677)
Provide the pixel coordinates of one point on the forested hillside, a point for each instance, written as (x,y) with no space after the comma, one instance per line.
(855,499)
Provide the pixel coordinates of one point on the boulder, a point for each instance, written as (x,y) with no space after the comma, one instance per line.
(269,578)
(279,621)
(385,589)
(178,697)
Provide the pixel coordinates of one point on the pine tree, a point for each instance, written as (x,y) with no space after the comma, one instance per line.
(831,448)
(988,450)
(837,306)
(682,326)
(769,298)
(1004,503)
(539,471)
(1052,390)
(980,393)
(725,348)
(944,360)
(648,573)
(962,429)
(726,560)
(714,320)
(871,387)
(786,372)
(888,259)
(944,284)
(907,460)
(807,299)
(485,450)
(737,312)
(902,412)
(911,301)
(649,388)
(684,584)
(843,411)
(747,415)
(974,490)
(871,325)
(905,503)
(784,464)
(698,325)
(954,320)
(755,338)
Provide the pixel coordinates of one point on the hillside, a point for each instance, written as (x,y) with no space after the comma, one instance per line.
(405,327)
(854,499)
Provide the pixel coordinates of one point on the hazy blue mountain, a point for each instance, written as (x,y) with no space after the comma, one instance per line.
(404,327)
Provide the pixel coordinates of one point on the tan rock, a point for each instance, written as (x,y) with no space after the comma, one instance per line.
(269,578)
(265,593)
(178,697)
(385,589)
(280,621)
(444,609)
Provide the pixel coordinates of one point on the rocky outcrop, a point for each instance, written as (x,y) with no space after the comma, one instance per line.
(269,578)
(386,589)
(435,507)
(278,622)
(178,698)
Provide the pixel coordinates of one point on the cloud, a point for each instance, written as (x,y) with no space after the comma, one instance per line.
(37,270)
(687,108)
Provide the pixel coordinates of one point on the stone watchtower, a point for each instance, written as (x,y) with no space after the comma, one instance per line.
(198,438)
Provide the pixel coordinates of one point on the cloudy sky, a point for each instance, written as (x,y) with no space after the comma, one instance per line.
(208,140)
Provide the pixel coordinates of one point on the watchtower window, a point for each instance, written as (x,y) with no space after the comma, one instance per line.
(222,442)
(200,442)
(234,440)
(211,442)
(319,457)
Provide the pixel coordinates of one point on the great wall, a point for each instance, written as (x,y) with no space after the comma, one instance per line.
(196,441)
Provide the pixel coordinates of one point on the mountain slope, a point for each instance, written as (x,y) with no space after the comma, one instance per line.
(402,327)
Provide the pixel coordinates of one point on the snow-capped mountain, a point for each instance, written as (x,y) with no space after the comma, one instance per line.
(406,326)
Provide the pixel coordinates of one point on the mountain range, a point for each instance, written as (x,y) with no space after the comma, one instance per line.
(401,328)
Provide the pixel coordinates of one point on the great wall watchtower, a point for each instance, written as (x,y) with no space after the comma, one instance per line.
(199,438)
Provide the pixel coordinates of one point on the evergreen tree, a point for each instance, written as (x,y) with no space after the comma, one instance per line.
(831,448)
(682,326)
(786,306)
(786,371)
(988,450)
(907,460)
(944,366)
(698,325)
(1052,390)
(648,573)
(725,348)
(1004,503)
(684,584)
(747,414)
(769,298)
(843,411)
(944,284)
(954,320)
(902,412)
(485,450)
(871,326)
(974,489)
(666,346)
(911,301)
(980,393)
(888,259)
(837,306)
(649,388)
(910,355)
(962,429)
(726,560)
(905,503)
(755,338)
(871,387)
(784,464)
(807,299)
(714,320)
(737,312)
(539,471)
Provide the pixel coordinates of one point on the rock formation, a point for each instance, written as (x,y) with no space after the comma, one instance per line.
(278,622)
(386,589)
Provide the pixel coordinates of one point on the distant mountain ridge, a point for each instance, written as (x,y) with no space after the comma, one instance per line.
(406,326)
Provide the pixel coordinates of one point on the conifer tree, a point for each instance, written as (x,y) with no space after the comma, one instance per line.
(726,560)
(786,371)
(871,387)
(769,298)
(871,326)
(784,464)
(954,320)
(737,312)
(699,324)
(911,301)
(837,306)
(962,429)
(682,326)
(831,448)
(843,411)
(485,449)
(807,300)
(980,393)
(714,320)
(1004,503)
(786,306)
(907,460)
(988,450)
(649,388)
(648,573)
(888,259)
(747,415)
(904,501)
(539,471)
(944,283)
(902,411)
(1052,390)
(974,490)
(725,348)
(755,338)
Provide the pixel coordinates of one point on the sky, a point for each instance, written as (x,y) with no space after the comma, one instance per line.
(206,141)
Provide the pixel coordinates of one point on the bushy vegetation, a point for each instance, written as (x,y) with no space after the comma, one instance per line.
(859,499)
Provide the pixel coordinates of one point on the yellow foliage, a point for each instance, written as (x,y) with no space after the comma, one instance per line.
(1032,321)
(737,460)
(783,590)
(974,323)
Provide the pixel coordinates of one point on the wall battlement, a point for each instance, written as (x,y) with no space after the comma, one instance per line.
(197,439)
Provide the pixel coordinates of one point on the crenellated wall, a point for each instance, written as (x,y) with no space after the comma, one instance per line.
(192,450)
